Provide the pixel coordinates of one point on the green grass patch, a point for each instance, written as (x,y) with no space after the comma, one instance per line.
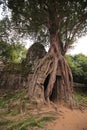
(41,122)
(30,122)
(12,97)
(14,112)
(5,122)
(81,97)
(34,123)
(3,103)
(47,119)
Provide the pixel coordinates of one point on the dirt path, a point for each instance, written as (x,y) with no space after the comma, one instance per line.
(70,120)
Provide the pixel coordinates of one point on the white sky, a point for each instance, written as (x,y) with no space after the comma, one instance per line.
(80,46)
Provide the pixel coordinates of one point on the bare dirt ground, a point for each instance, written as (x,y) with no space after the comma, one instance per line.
(69,120)
(14,115)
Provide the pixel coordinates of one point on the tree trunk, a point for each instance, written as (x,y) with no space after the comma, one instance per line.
(52,79)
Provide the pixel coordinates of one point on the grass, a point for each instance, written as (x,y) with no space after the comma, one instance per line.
(16,95)
(47,119)
(11,118)
(3,103)
(12,97)
(40,123)
(30,122)
(5,122)
(23,122)
(81,98)
(14,112)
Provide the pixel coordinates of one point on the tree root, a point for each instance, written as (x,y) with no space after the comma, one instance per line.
(52,64)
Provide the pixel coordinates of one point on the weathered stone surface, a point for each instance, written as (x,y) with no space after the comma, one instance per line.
(35,52)
(11,81)
(1,66)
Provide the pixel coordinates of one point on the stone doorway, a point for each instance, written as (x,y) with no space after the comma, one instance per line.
(56,90)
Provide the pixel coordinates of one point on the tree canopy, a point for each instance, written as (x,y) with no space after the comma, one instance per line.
(78,65)
(35,17)
(12,53)
(11,49)
(4,29)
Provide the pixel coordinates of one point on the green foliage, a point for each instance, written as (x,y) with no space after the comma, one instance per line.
(12,53)
(11,50)
(4,29)
(78,65)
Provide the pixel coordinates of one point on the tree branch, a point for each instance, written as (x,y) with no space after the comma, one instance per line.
(70,39)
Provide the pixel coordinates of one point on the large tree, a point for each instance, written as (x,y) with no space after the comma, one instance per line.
(56,21)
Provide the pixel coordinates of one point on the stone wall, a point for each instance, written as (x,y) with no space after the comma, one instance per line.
(13,77)
(11,81)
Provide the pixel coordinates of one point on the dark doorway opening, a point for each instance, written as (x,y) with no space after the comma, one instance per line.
(56,89)
(55,95)
(46,82)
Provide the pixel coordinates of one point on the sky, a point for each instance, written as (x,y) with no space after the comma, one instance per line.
(80,46)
